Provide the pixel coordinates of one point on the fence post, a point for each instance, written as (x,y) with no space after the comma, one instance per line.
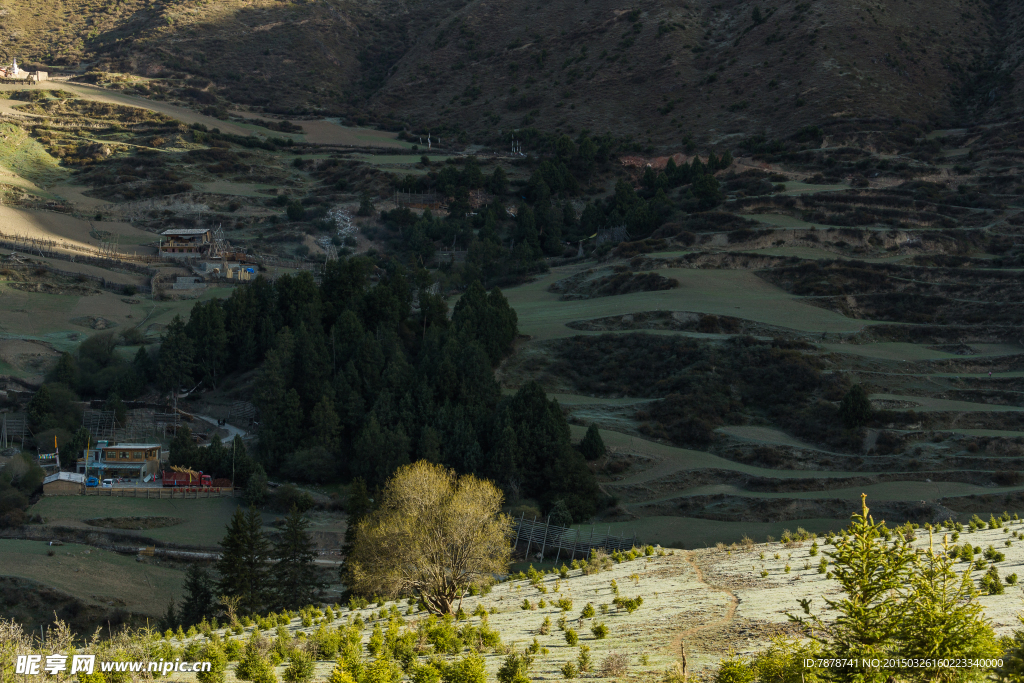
(529,536)
(575,543)
(519,529)
(544,541)
(591,543)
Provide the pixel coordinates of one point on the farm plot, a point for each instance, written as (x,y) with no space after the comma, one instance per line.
(74,232)
(93,575)
(720,292)
(203,523)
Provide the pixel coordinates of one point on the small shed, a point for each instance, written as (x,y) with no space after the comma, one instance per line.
(64,484)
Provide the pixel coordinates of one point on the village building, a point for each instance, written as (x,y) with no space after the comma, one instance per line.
(121,460)
(64,484)
(235,266)
(185,243)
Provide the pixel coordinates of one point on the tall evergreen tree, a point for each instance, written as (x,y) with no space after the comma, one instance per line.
(177,354)
(296,580)
(206,329)
(592,446)
(244,561)
(197,603)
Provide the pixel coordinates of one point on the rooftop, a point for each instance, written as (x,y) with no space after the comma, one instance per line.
(185,231)
(65,476)
(134,445)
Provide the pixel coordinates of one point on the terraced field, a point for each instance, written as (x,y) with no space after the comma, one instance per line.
(718,398)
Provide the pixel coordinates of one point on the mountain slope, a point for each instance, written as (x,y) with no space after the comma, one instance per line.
(655,70)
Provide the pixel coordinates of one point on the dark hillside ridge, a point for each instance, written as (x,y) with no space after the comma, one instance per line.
(655,71)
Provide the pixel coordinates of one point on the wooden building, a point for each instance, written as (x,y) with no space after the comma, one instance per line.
(121,460)
(64,484)
(185,243)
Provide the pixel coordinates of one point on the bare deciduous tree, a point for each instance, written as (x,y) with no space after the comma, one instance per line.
(434,535)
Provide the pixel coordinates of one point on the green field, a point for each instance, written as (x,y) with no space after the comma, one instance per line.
(93,575)
(737,293)
(205,519)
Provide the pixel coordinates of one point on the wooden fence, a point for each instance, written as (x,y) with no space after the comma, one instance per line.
(59,249)
(545,538)
(184,492)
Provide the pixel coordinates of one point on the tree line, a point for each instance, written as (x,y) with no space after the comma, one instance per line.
(365,372)
(253,574)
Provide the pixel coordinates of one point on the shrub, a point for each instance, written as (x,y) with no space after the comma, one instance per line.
(424,673)
(990,583)
(565,604)
(783,661)
(614,665)
(469,669)
(300,667)
(515,668)
(563,572)
(569,670)
(583,661)
(588,611)
(571,637)
(1011,580)
(629,604)
(545,626)
(734,670)
(600,631)
(218,664)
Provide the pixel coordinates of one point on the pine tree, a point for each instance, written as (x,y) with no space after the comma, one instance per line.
(592,446)
(855,409)
(169,621)
(870,618)
(197,603)
(66,371)
(944,620)
(243,565)
(296,579)
(326,425)
(206,329)
(176,357)
(256,488)
(184,451)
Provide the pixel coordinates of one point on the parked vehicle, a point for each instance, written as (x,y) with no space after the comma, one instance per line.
(108,483)
(92,481)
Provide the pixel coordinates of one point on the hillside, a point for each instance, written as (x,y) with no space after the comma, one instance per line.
(656,70)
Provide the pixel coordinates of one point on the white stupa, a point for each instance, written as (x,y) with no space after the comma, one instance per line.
(14,67)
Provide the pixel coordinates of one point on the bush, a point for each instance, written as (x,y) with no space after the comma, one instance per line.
(569,670)
(783,662)
(218,664)
(300,667)
(565,604)
(469,669)
(515,668)
(616,664)
(990,583)
(571,637)
(734,670)
(629,604)
(583,661)
(588,611)
(600,631)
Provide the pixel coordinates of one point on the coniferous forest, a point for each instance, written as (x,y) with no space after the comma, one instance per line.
(366,371)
